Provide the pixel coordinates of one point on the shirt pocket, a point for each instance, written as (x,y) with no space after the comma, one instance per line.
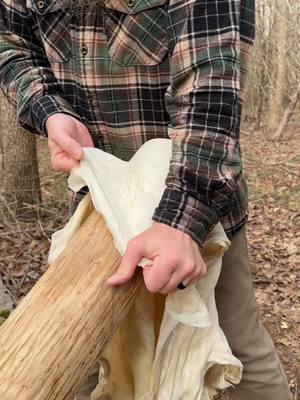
(136,31)
(53,27)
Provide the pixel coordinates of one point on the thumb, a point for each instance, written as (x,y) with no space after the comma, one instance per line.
(131,259)
(70,146)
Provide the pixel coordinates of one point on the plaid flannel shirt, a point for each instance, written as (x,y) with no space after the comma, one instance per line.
(142,69)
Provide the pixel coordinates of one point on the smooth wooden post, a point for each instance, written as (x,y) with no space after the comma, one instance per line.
(56,334)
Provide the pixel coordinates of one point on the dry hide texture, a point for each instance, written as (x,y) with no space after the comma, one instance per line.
(168,347)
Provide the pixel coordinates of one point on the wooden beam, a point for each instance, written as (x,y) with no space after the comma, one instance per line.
(54,337)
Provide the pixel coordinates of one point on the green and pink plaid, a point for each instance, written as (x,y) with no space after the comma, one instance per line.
(139,70)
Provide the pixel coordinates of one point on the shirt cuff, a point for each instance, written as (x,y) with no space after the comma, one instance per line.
(181,211)
(47,105)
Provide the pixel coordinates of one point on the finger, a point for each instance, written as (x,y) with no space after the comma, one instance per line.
(195,274)
(192,278)
(88,142)
(182,274)
(62,162)
(175,280)
(86,139)
(192,282)
(200,263)
(131,259)
(157,275)
(69,145)
(199,271)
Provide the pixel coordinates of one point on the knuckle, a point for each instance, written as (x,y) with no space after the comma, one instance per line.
(189,267)
(173,259)
(151,288)
(152,284)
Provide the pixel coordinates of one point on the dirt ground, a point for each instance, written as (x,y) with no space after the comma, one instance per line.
(273,175)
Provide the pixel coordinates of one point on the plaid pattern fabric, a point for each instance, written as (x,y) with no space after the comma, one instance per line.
(139,70)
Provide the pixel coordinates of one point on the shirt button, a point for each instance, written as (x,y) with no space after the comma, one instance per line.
(40,4)
(131,3)
(84,50)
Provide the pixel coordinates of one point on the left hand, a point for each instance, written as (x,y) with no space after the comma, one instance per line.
(66,138)
(175,258)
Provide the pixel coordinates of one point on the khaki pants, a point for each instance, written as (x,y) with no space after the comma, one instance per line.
(263,376)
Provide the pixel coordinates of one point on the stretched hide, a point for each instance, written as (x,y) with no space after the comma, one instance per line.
(166,348)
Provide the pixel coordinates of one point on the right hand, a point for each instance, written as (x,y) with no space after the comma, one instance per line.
(66,138)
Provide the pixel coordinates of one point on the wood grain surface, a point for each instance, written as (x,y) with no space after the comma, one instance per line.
(56,334)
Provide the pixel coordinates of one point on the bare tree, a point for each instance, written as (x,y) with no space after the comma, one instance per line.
(19,178)
(274,71)
(276,95)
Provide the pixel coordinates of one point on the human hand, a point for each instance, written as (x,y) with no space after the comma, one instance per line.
(66,137)
(174,254)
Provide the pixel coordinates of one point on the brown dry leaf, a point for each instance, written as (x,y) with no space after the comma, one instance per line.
(19,271)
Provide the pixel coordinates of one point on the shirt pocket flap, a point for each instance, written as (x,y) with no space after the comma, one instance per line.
(133,6)
(42,7)
(53,28)
(140,38)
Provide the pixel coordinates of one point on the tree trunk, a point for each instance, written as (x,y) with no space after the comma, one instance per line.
(279,76)
(54,337)
(287,115)
(19,178)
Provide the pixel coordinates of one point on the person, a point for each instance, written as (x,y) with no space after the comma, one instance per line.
(117,73)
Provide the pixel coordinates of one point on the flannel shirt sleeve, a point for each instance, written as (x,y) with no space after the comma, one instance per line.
(204,104)
(26,78)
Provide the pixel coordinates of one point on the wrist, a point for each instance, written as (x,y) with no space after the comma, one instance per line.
(58,118)
(43,107)
(49,120)
(195,218)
